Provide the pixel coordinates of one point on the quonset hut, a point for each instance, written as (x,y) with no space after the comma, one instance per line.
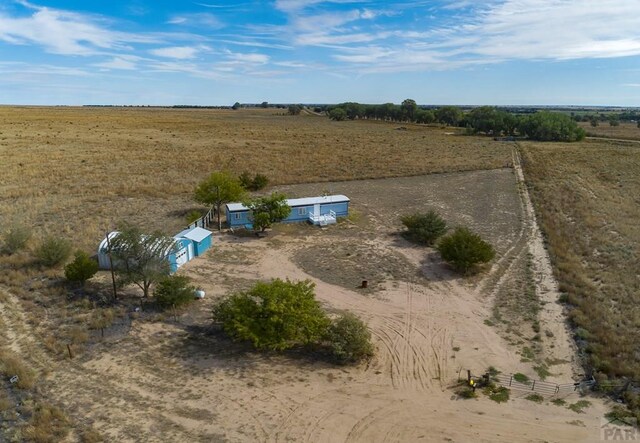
(190,243)
(320,211)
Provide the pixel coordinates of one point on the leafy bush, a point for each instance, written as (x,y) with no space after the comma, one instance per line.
(53,251)
(499,395)
(15,238)
(424,228)
(255,183)
(463,249)
(81,269)
(276,315)
(174,291)
(349,339)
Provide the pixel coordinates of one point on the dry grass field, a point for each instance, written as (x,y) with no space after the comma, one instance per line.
(588,199)
(625,131)
(75,172)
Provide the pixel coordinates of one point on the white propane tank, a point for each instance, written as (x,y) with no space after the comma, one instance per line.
(199,294)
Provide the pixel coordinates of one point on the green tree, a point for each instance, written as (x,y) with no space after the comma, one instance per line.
(294,109)
(449,115)
(463,249)
(424,228)
(141,259)
(81,269)
(338,114)
(409,109)
(551,126)
(264,105)
(217,189)
(593,120)
(15,238)
(53,251)
(236,106)
(349,339)
(174,291)
(266,211)
(614,120)
(276,315)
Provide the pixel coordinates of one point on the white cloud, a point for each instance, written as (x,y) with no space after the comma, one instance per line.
(203,19)
(250,58)
(117,63)
(177,52)
(64,32)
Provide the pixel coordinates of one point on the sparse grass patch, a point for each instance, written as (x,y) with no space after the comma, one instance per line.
(559,402)
(11,364)
(48,424)
(579,406)
(498,394)
(536,398)
(521,378)
(542,371)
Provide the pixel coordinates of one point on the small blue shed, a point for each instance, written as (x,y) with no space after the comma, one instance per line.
(176,257)
(321,211)
(200,239)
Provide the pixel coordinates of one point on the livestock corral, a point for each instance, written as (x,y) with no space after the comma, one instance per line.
(175,377)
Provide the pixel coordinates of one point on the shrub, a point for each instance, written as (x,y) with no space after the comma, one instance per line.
(349,339)
(424,228)
(15,238)
(47,424)
(81,269)
(499,395)
(174,290)
(53,251)
(463,249)
(276,315)
(255,183)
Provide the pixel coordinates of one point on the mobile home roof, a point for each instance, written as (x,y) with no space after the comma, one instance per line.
(294,202)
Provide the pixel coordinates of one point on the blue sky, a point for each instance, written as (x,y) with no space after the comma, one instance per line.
(161,52)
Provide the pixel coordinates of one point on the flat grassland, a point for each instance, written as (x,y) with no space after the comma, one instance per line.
(625,131)
(76,171)
(588,197)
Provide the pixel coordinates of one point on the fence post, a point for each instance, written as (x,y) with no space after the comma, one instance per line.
(533,386)
(510,380)
(557,389)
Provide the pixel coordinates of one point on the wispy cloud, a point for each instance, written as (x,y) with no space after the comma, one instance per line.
(199,19)
(178,52)
(64,32)
(117,63)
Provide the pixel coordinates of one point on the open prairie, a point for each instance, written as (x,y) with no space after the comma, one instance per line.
(159,377)
(588,198)
(625,131)
(77,171)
